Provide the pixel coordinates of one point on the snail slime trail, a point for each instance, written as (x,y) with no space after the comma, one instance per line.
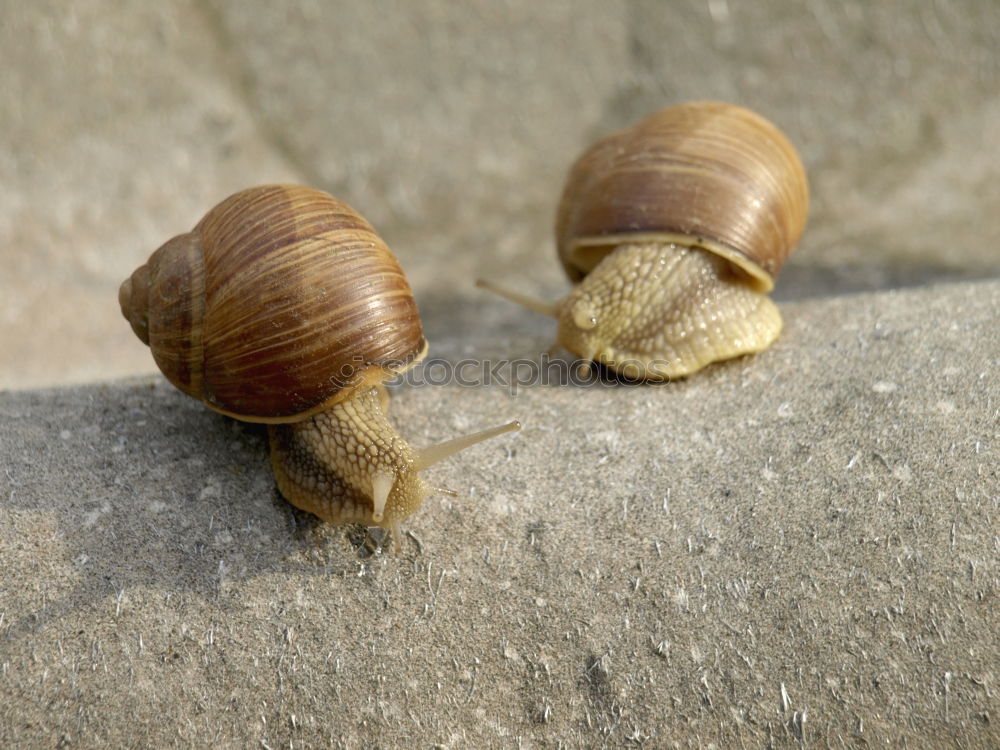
(284,306)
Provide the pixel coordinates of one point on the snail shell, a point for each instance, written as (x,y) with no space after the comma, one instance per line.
(673,231)
(278,304)
(701,174)
(284,306)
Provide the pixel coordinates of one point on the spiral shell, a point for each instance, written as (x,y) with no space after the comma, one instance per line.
(278,304)
(704,174)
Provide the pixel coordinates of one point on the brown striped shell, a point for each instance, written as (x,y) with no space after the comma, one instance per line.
(705,174)
(278,304)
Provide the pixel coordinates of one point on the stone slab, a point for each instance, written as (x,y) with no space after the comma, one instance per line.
(796,549)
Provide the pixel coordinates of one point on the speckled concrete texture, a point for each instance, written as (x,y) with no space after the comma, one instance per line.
(796,549)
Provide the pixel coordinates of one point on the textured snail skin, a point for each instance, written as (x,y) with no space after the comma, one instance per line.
(328,464)
(674,230)
(654,311)
(284,306)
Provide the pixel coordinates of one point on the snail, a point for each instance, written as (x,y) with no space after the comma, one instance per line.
(673,231)
(283,306)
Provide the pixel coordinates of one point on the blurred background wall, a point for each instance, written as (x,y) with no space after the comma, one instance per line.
(450,125)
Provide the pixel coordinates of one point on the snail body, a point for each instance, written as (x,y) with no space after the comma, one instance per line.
(284,306)
(673,231)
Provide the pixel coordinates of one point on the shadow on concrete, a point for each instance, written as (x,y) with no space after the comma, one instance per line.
(165,494)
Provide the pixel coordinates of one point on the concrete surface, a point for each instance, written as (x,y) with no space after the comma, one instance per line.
(796,549)
(799,549)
